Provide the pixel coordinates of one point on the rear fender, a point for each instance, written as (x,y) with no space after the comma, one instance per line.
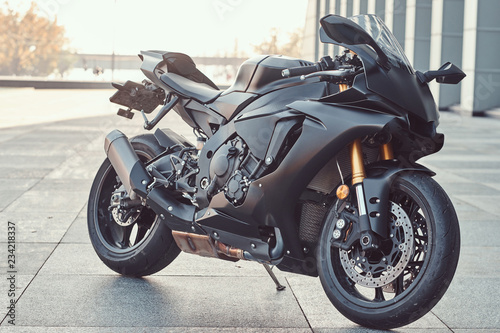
(168,138)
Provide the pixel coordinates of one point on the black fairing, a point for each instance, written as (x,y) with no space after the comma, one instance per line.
(256,73)
(271,199)
(398,83)
(257,84)
(255,124)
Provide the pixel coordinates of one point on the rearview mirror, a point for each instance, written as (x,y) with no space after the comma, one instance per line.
(448,73)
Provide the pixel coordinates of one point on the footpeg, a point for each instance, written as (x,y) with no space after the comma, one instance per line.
(279,286)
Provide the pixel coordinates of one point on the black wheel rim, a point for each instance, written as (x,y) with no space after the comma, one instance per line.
(380,297)
(117,238)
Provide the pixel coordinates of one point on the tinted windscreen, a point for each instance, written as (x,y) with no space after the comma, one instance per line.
(376,28)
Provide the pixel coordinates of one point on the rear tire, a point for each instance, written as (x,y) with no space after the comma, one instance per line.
(142,248)
(423,280)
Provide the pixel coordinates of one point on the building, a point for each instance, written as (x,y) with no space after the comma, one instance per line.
(464,32)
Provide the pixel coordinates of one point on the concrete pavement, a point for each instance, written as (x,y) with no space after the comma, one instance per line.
(61,285)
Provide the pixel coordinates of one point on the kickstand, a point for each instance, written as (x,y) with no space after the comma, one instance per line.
(279,286)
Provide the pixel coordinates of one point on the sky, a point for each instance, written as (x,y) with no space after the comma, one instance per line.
(195,27)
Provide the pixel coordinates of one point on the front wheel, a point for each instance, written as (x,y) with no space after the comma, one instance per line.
(408,275)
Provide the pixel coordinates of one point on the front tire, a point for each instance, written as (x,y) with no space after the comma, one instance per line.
(424,278)
(143,247)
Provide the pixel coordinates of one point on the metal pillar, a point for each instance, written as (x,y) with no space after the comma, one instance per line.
(363,6)
(481,45)
(399,21)
(418,33)
(389,14)
(446,45)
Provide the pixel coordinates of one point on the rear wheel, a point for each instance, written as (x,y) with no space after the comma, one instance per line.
(408,275)
(130,241)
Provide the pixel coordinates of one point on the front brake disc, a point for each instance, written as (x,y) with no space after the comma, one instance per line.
(369,272)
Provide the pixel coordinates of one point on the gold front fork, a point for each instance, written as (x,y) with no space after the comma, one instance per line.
(386,152)
(357,165)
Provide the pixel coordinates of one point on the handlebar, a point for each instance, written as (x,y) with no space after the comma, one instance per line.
(338,74)
(298,71)
(323,64)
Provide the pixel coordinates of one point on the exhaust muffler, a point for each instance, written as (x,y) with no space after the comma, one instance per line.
(127,164)
(136,180)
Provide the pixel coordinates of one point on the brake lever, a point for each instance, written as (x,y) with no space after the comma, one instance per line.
(341,74)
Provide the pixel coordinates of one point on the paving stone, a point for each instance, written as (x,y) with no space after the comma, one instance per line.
(114,301)
(20,282)
(17,184)
(471,303)
(147,328)
(75,292)
(470,188)
(367,330)
(8,197)
(479,261)
(49,201)
(30,257)
(484,233)
(474,330)
(467,211)
(324,317)
(467,164)
(83,165)
(9,134)
(37,227)
(493,185)
(487,203)
(29,150)
(23,162)
(63,185)
(193,265)
(49,134)
(81,259)
(77,232)
(445,176)
(459,158)
(30,173)
(483,176)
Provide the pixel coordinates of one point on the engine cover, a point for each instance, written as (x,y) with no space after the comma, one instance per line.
(232,169)
(225,161)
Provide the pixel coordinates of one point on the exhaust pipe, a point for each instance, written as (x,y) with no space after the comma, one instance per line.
(127,165)
(136,180)
(205,246)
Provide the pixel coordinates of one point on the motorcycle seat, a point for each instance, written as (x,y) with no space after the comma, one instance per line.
(187,88)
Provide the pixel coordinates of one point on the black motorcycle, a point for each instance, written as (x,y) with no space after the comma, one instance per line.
(309,167)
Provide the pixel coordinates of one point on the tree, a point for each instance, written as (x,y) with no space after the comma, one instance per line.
(30,44)
(65,61)
(273,45)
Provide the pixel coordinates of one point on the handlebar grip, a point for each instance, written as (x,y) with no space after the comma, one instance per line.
(298,71)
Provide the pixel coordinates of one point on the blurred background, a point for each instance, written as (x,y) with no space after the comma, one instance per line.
(61,44)
(98,40)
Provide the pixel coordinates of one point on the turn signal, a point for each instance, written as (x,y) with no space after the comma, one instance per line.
(342,192)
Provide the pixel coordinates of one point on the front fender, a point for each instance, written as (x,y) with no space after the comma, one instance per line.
(377,185)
